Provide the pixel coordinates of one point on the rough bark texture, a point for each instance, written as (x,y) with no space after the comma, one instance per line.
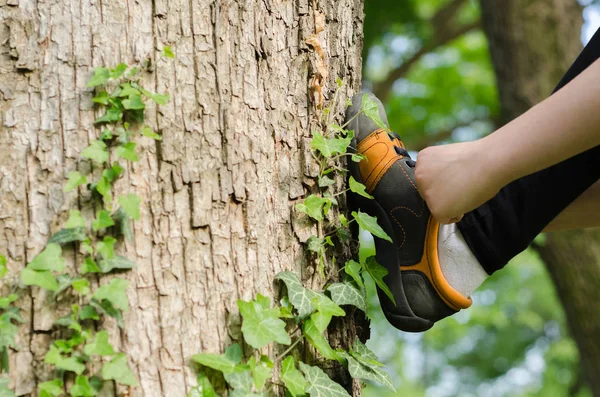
(218,191)
(532,44)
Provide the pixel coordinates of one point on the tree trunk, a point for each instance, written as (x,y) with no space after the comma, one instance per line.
(532,44)
(216,222)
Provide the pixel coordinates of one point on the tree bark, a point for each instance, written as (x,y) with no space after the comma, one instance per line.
(532,44)
(217,192)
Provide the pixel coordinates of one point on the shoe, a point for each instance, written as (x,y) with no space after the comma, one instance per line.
(422,294)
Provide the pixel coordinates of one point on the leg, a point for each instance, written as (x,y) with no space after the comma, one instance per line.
(505,225)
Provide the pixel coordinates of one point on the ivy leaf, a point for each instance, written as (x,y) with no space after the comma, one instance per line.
(105,306)
(75,220)
(106,247)
(261,370)
(127,151)
(357,157)
(329,147)
(75,180)
(240,380)
(157,98)
(204,388)
(316,338)
(118,370)
(68,364)
(371,110)
(115,293)
(82,388)
(118,71)
(53,387)
(4,390)
(358,188)
(49,259)
(319,384)
(5,301)
(89,266)
(313,207)
(81,285)
(369,223)
(88,312)
(325,310)
(299,296)
(65,236)
(292,378)
(147,131)
(131,205)
(167,52)
(347,294)
(101,76)
(126,90)
(378,272)
(363,364)
(3,267)
(103,187)
(41,278)
(123,224)
(101,98)
(325,181)
(261,324)
(219,362)
(96,152)
(118,262)
(99,346)
(134,102)
(112,174)
(353,268)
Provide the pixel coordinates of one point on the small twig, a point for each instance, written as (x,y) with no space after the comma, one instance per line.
(289,349)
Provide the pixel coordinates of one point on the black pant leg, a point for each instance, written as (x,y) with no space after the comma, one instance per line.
(505,225)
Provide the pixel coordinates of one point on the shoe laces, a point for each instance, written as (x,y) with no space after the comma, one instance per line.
(399,148)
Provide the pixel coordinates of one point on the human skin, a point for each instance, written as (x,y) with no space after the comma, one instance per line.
(457,178)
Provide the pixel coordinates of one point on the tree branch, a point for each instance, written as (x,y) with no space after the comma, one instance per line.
(383,88)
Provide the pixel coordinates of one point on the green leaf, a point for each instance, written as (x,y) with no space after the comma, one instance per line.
(101,98)
(158,98)
(112,174)
(89,266)
(357,157)
(99,346)
(313,207)
(8,331)
(292,378)
(53,387)
(75,220)
(65,236)
(81,285)
(363,364)
(371,110)
(240,380)
(147,131)
(106,247)
(101,76)
(204,388)
(4,390)
(123,224)
(105,306)
(234,353)
(5,301)
(118,262)
(316,338)
(261,370)
(49,259)
(88,312)
(358,188)
(82,388)
(134,102)
(113,114)
(325,310)
(353,269)
(96,152)
(66,363)
(369,223)
(167,52)
(347,294)
(329,147)
(3,267)
(220,362)
(118,370)
(127,151)
(131,205)
(299,296)
(75,180)
(115,293)
(118,71)
(103,187)
(378,272)
(325,181)
(127,90)
(261,325)
(41,278)
(319,384)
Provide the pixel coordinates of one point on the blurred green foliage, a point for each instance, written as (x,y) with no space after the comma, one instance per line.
(513,341)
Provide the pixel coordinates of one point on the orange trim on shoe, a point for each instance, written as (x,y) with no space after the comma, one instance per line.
(430,266)
(380,155)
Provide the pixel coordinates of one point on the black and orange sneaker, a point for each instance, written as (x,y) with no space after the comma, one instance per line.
(422,294)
